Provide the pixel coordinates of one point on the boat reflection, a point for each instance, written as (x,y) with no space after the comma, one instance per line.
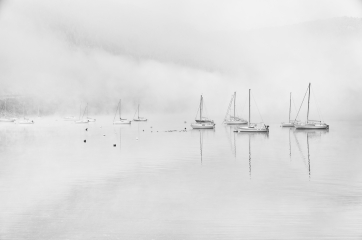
(311,133)
(201,138)
(117,129)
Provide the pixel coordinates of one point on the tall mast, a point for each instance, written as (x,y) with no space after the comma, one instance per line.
(234,103)
(201,108)
(120,108)
(249,109)
(138,111)
(308,102)
(290,105)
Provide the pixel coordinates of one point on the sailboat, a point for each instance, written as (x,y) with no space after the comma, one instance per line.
(24,120)
(81,120)
(88,118)
(5,118)
(139,119)
(311,124)
(253,127)
(233,119)
(202,122)
(290,123)
(121,120)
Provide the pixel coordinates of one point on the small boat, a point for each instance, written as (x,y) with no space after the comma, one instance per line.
(24,121)
(139,119)
(253,127)
(81,120)
(233,119)
(121,120)
(310,124)
(88,118)
(290,123)
(202,122)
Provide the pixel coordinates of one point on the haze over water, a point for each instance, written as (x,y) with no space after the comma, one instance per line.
(178,185)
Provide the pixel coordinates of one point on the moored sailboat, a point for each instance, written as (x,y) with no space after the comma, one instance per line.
(310,124)
(253,127)
(202,122)
(121,120)
(233,119)
(81,120)
(139,119)
(290,123)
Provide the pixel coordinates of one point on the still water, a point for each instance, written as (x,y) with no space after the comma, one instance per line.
(208,184)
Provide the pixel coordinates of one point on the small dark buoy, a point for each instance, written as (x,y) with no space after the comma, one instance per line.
(151,131)
(114,145)
(143,130)
(85,140)
(185,128)
(104,135)
(86,129)
(151,126)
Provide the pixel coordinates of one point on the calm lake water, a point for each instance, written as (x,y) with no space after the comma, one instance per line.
(208,184)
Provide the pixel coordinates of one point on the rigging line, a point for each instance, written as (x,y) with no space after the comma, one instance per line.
(301,104)
(116,111)
(257,108)
(228,110)
(299,148)
(295,108)
(319,113)
(197,112)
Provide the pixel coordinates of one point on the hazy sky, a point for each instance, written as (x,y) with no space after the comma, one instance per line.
(164,54)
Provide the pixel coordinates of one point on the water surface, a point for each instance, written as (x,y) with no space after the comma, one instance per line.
(156,184)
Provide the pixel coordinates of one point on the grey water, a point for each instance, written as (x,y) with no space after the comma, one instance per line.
(193,184)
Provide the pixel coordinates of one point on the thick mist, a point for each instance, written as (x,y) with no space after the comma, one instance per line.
(164,55)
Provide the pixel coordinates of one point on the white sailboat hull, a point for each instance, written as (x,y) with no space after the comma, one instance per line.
(91,119)
(122,122)
(140,119)
(205,125)
(252,129)
(312,126)
(25,121)
(81,122)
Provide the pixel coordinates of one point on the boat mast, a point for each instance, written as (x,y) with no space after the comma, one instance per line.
(119,108)
(249,109)
(201,108)
(234,103)
(308,102)
(290,105)
(138,111)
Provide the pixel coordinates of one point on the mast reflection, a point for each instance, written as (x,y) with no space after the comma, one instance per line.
(309,134)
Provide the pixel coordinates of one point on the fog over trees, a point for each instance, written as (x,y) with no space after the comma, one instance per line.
(59,56)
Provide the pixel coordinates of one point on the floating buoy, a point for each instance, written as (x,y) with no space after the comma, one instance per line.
(85,140)
(104,135)
(86,129)
(114,145)
(143,130)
